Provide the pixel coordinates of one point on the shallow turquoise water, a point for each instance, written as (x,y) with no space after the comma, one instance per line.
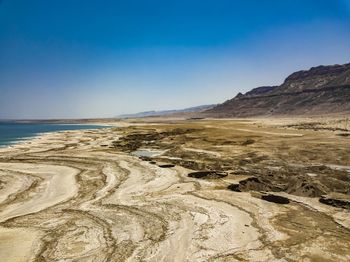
(146,153)
(14,132)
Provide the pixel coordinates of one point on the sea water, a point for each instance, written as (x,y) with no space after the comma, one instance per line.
(11,132)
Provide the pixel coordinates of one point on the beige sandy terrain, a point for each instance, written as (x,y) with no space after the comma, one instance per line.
(81,195)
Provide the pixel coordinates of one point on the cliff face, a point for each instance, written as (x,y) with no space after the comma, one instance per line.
(320,90)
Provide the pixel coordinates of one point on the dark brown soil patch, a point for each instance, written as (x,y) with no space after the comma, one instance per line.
(166,166)
(342,203)
(254,184)
(248,142)
(208,174)
(275,199)
(344,134)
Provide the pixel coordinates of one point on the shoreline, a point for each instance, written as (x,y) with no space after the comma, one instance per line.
(25,138)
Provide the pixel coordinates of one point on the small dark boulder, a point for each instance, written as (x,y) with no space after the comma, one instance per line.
(234,187)
(248,142)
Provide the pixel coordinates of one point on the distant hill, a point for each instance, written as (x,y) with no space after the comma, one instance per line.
(167,112)
(319,90)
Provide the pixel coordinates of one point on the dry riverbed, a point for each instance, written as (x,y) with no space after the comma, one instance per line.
(262,191)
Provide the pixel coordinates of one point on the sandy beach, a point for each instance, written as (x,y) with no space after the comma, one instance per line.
(77,196)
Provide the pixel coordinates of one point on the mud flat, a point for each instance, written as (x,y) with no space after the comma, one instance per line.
(83,196)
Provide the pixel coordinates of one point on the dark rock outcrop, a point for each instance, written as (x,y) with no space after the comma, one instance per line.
(259,90)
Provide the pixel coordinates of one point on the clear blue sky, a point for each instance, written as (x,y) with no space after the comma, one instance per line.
(73,59)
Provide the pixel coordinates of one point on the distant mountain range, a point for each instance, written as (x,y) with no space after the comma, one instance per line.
(317,91)
(167,112)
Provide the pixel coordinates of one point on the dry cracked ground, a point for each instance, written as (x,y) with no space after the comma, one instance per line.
(205,190)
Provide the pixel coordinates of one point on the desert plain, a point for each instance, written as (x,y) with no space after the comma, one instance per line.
(180,190)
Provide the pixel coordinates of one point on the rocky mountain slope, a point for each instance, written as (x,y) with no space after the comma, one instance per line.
(320,90)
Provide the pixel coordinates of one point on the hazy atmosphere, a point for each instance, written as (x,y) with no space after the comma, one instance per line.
(70,59)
